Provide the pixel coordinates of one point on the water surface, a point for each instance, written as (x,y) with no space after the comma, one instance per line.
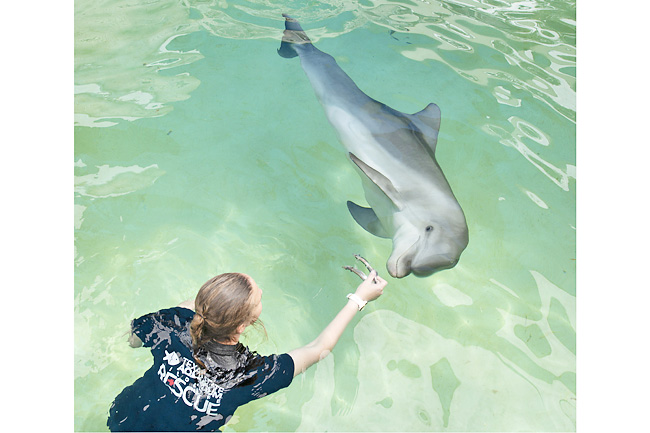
(198,150)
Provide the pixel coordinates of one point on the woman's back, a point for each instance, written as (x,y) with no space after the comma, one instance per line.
(176,394)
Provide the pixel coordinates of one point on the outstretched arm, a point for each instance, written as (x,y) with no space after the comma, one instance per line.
(306,356)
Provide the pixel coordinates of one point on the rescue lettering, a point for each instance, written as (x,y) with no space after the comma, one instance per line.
(180,378)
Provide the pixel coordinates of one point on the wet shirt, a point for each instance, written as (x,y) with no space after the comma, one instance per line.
(175,394)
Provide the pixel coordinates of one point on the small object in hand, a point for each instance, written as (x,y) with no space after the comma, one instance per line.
(364,261)
(358,272)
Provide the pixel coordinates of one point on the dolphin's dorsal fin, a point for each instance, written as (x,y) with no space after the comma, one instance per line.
(428,122)
(366,218)
(380,180)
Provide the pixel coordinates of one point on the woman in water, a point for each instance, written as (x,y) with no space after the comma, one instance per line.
(201,372)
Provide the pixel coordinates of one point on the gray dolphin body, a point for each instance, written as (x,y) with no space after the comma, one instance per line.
(410,199)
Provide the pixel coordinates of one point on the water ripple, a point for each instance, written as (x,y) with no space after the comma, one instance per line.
(522,131)
(529,45)
(117,77)
(534,41)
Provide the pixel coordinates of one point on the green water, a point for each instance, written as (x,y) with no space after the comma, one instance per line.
(199,150)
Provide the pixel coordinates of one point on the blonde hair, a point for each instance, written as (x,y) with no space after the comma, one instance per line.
(223,304)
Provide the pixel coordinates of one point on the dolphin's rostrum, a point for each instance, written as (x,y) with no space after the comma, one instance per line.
(410,199)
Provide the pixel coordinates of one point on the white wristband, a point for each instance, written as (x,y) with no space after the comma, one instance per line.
(360,302)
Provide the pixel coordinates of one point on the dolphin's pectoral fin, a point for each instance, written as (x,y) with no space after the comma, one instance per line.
(378,179)
(366,218)
(428,122)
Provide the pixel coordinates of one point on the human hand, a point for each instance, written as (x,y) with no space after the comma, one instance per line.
(372,287)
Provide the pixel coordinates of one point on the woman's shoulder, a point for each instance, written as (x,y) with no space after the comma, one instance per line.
(272,372)
(163,325)
(169,316)
(279,364)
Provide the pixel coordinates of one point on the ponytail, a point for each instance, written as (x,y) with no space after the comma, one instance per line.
(222,305)
(196,332)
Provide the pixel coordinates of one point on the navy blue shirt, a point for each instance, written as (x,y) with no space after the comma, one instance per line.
(175,394)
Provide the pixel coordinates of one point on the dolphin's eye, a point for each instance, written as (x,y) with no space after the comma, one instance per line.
(429,228)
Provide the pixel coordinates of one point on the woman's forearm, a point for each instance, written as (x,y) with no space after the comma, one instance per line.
(306,356)
(328,338)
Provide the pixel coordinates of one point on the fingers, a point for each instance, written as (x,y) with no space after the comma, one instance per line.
(376,279)
(372,287)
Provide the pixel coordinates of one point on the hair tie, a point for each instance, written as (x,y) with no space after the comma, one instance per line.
(199,314)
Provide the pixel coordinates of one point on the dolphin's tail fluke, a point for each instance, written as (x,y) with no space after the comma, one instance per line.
(294,38)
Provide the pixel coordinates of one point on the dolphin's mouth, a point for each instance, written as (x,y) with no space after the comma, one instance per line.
(445,262)
(422,274)
(403,262)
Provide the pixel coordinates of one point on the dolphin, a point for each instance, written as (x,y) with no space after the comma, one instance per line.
(410,199)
